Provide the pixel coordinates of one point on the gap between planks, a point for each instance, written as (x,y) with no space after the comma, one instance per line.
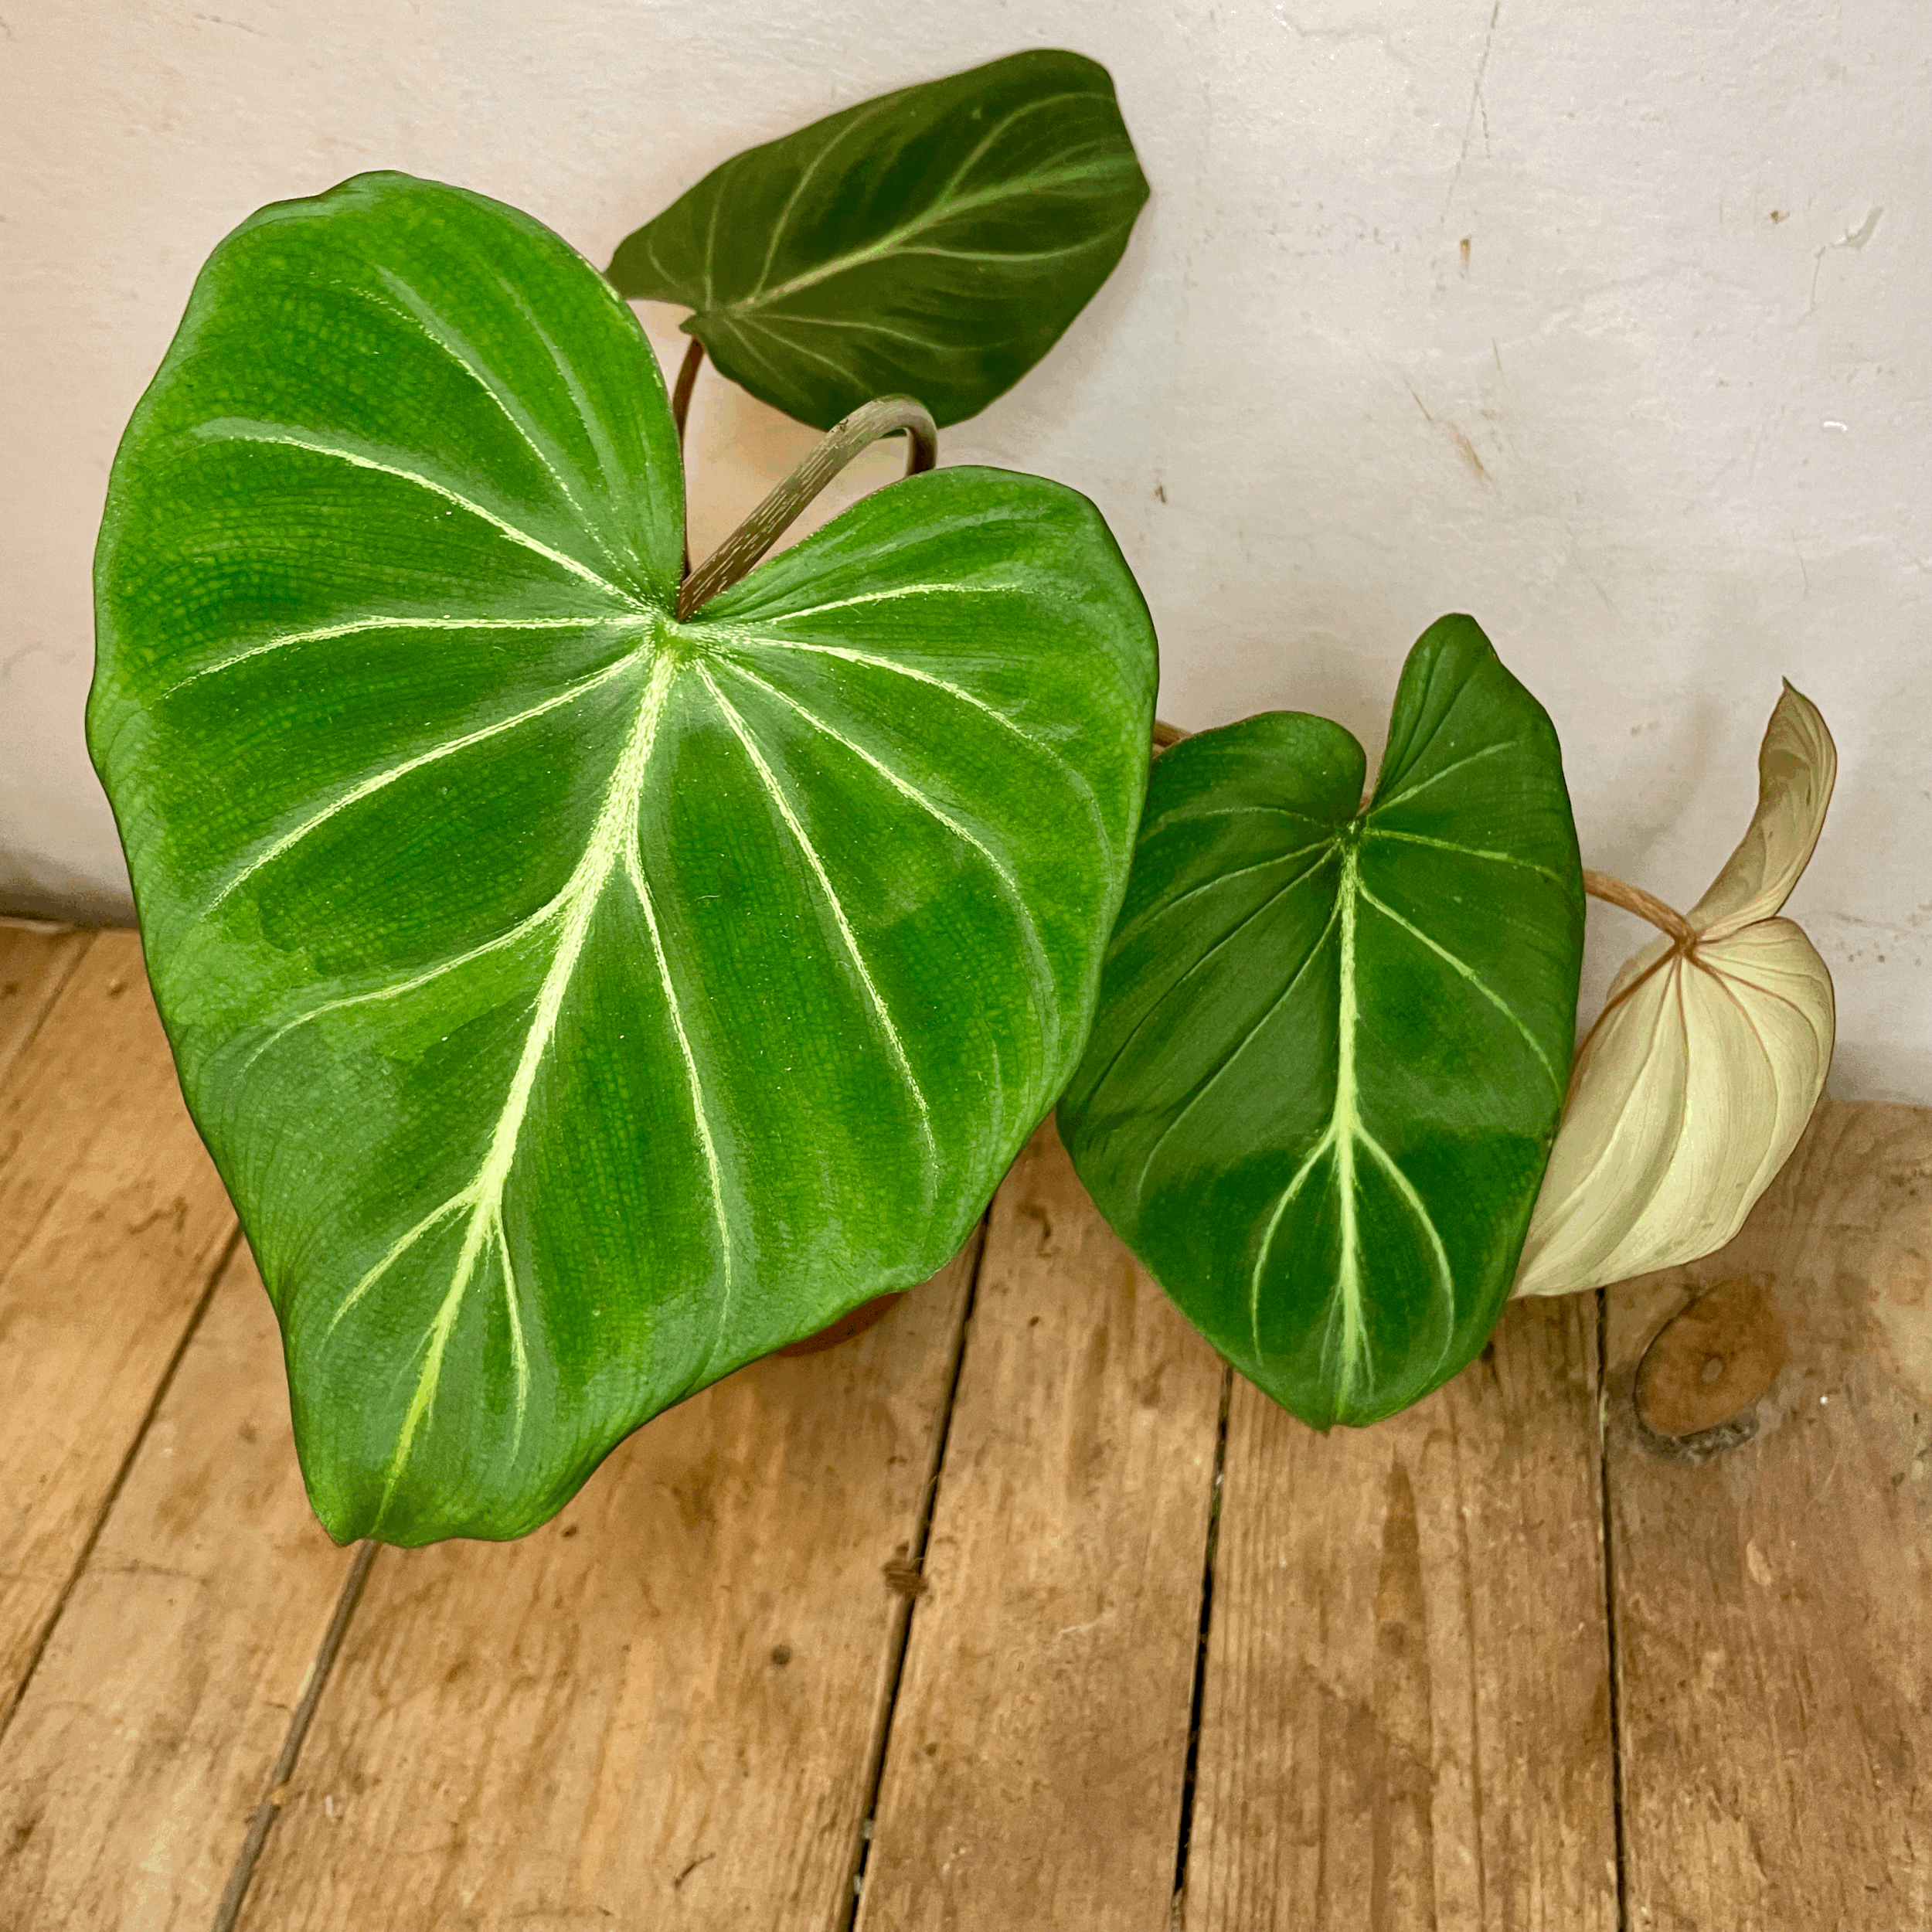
(1620,1854)
(35,966)
(902,1636)
(268,1811)
(38,965)
(107,1501)
(903,1573)
(1405,1720)
(236,1891)
(1177,1911)
(1036,1767)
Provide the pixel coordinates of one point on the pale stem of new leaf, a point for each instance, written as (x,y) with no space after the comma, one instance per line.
(1634,898)
(887,415)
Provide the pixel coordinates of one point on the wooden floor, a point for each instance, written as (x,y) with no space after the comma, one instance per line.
(1016,1613)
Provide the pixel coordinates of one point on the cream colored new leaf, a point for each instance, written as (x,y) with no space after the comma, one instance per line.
(1695,1083)
(1797,767)
(1688,1096)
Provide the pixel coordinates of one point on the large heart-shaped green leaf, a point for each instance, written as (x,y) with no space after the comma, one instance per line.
(937,240)
(578,1003)
(1333,1040)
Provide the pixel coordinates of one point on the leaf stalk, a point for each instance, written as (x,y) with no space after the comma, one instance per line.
(687,382)
(1634,898)
(680,409)
(886,416)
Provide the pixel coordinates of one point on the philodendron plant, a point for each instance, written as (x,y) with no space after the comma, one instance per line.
(1333,1052)
(586,980)
(590,974)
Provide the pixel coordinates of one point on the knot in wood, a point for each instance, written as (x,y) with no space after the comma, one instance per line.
(1707,1370)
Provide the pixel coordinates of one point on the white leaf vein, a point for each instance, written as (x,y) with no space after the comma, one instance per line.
(1241,1046)
(1044,986)
(237,430)
(380,781)
(940,212)
(700,1113)
(1474,978)
(783,218)
(745,639)
(482,1199)
(1247,920)
(1415,791)
(1373,831)
(889,1030)
(322,634)
(437,330)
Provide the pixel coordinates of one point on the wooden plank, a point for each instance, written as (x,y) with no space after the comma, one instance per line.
(145,1738)
(1038,1746)
(34,962)
(112,1221)
(1406,1718)
(662,1708)
(1770,1484)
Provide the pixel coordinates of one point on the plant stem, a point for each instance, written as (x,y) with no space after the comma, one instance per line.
(1634,898)
(687,382)
(887,415)
(680,408)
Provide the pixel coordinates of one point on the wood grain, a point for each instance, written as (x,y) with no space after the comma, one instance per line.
(1770,1485)
(1038,1749)
(144,1740)
(112,1222)
(661,1709)
(668,1708)
(1405,1721)
(34,966)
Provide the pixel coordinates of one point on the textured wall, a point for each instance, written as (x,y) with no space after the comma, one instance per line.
(1612,324)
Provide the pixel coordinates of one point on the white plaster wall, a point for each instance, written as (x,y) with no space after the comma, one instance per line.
(1611,324)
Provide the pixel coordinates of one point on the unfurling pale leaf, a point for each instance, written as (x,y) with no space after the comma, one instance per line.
(1698,1076)
(1797,767)
(936,241)
(578,1003)
(1332,1041)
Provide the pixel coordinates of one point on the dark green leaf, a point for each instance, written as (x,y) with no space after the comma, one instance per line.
(578,1004)
(1333,1042)
(936,241)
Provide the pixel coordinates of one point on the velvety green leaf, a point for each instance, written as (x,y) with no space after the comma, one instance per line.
(1332,1042)
(935,242)
(578,1004)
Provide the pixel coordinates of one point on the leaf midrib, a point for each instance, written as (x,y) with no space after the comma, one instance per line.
(940,212)
(1346,1132)
(609,849)
(613,832)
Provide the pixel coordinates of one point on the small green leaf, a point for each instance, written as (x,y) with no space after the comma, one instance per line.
(1333,1042)
(577,1003)
(936,241)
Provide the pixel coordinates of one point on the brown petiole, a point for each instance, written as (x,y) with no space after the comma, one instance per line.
(1634,898)
(681,409)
